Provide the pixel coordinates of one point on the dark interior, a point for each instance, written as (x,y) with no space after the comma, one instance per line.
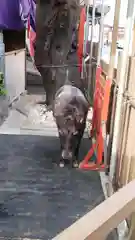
(16,42)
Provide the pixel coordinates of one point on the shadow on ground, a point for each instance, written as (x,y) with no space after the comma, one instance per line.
(37,198)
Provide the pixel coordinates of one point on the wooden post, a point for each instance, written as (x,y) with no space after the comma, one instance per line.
(113,51)
(113,115)
(122,148)
(125,54)
(131,89)
(125,161)
(131,175)
(128,132)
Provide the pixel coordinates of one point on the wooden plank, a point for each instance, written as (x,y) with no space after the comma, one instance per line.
(133,41)
(131,177)
(123,130)
(132,220)
(132,169)
(112,114)
(114,39)
(129,149)
(112,62)
(125,160)
(123,137)
(128,132)
(97,224)
(131,82)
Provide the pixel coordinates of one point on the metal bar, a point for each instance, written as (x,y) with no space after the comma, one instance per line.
(92,28)
(128,33)
(86,33)
(91,46)
(2,53)
(101,34)
(2,62)
(105,143)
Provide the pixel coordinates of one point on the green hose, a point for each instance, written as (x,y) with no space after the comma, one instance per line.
(2,89)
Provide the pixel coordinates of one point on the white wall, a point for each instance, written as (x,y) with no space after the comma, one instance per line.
(110,16)
(15,73)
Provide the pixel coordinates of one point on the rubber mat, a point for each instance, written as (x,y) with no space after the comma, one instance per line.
(38,199)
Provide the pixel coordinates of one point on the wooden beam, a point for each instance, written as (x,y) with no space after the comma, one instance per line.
(133,41)
(132,161)
(99,222)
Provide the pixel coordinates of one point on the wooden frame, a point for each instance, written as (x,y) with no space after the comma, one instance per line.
(99,222)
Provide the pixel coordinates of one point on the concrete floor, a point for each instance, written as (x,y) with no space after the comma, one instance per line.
(3,109)
(37,198)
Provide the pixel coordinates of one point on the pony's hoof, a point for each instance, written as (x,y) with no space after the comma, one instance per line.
(61,164)
(75,165)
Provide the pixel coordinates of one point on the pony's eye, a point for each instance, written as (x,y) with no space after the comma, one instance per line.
(62,132)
